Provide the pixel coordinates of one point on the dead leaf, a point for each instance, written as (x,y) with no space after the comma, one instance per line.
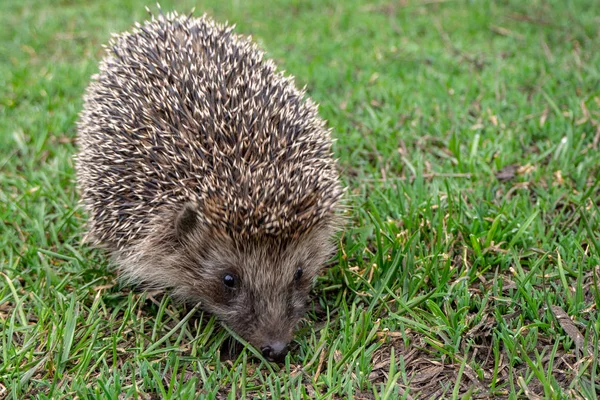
(543,117)
(525,169)
(558,178)
(507,173)
(427,374)
(570,329)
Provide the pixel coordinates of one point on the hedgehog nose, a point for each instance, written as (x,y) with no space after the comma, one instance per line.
(275,352)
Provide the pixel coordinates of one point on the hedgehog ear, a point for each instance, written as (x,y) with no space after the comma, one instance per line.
(186,220)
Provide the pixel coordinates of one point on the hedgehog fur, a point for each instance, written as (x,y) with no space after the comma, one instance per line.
(204,171)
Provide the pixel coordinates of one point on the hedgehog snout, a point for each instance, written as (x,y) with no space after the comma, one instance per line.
(276,351)
(272,336)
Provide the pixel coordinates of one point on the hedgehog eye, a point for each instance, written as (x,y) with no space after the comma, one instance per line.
(298,274)
(229,280)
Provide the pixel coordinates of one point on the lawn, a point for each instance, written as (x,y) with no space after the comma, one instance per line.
(468,134)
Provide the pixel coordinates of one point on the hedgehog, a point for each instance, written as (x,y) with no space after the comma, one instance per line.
(205,172)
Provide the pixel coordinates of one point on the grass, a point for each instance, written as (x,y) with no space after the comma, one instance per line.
(468,134)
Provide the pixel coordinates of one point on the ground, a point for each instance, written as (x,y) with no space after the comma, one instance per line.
(467,133)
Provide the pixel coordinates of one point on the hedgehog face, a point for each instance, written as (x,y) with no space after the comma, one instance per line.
(259,288)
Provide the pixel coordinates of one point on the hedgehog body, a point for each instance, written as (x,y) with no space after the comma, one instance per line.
(206,172)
